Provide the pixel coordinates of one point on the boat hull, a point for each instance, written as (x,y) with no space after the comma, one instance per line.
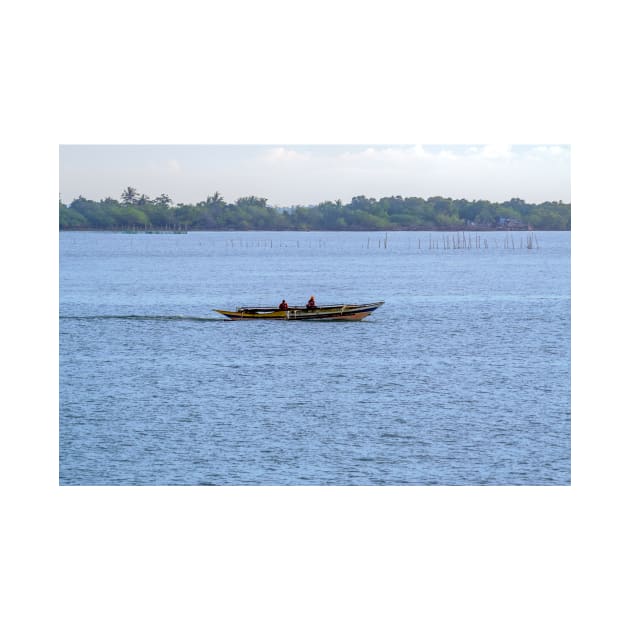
(332,313)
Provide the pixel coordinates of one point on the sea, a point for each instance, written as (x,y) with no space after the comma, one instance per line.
(461,378)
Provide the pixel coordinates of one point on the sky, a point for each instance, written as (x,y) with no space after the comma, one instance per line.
(289,175)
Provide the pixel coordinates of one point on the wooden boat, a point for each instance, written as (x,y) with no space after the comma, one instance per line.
(328,312)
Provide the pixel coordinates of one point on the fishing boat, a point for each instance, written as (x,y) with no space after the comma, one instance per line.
(328,312)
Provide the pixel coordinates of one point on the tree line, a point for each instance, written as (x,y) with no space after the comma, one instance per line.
(135,210)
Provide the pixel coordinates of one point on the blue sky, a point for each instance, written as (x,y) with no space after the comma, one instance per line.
(305,174)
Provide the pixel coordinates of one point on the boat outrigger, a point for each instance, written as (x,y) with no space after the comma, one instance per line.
(329,312)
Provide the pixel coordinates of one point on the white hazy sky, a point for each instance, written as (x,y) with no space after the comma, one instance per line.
(307,174)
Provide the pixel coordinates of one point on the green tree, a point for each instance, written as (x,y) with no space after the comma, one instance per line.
(70,218)
(95,214)
(362,212)
(130,216)
(188,215)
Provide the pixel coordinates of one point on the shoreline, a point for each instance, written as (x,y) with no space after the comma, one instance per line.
(178,230)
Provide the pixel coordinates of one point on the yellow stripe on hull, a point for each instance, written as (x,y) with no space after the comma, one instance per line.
(243,315)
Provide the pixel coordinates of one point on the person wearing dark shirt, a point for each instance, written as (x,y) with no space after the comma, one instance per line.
(283,306)
(311,302)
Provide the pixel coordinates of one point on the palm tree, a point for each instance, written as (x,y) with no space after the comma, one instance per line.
(129,195)
(163,200)
(216,199)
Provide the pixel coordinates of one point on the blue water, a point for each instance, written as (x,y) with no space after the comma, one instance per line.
(462,377)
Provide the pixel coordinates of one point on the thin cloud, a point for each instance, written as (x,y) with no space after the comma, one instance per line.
(496,151)
(281,154)
(550,151)
(173,166)
(165,167)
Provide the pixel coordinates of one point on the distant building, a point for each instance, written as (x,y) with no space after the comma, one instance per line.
(510,223)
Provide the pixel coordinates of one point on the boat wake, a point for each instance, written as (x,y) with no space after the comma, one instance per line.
(152,318)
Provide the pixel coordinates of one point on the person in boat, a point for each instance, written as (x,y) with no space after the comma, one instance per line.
(311,303)
(283,306)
